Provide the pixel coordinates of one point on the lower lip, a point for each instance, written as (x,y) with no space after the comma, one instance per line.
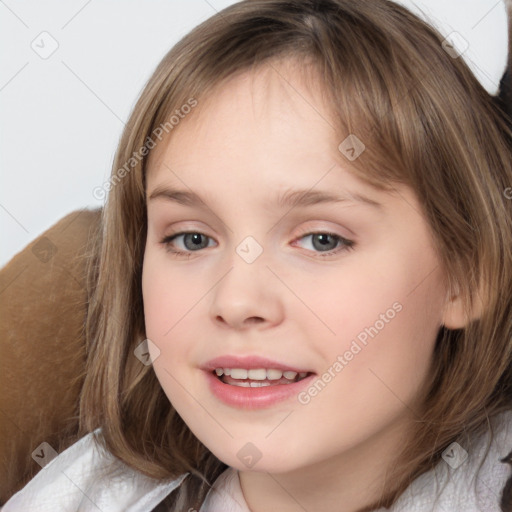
(255,398)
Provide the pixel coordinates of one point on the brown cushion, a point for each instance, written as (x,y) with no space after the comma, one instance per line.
(43,304)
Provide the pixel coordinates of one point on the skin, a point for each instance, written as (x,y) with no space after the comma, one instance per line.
(254,138)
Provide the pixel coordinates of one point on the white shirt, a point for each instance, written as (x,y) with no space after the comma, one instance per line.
(73,481)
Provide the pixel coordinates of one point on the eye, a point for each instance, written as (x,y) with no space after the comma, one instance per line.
(192,241)
(327,243)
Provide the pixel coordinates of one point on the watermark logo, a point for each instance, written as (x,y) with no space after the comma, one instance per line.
(44,454)
(45,45)
(455,455)
(249,249)
(249,455)
(455,45)
(44,249)
(146,352)
(352,147)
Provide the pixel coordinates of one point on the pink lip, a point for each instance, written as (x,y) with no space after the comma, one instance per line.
(248,362)
(255,398)
(252,398)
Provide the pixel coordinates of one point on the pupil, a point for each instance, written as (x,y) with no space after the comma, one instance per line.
(196,239)
(323,241)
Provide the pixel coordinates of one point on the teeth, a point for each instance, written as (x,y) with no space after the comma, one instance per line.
(238,373)
(243,384)
(274,374)
(258,374)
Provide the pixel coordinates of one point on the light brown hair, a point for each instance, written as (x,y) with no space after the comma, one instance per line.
(425,121)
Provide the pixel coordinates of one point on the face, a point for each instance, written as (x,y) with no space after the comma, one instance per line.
(319,316)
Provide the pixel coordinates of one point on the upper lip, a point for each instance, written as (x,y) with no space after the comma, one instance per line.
(248,362)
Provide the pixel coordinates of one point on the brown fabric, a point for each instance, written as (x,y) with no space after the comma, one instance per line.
(43,304)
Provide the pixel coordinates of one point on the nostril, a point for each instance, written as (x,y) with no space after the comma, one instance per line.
(255,320)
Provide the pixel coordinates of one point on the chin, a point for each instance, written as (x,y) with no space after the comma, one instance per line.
(257,456)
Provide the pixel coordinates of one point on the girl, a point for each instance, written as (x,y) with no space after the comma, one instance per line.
(308,234)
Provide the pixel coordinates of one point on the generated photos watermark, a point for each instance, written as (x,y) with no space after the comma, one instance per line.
(305,397)
(101,191)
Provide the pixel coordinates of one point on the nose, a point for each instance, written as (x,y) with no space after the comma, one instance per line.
(247,295)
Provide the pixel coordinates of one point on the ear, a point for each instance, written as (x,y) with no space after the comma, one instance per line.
(455,315)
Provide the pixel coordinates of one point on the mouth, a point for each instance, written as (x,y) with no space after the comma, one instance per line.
(258,377)
(253,382)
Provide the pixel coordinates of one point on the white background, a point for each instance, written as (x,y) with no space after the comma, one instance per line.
(62,116)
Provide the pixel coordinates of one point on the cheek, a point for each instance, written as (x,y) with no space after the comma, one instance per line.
(166,304)
(172,298)
(368,384)
(391,299)
(167,296)
(383,319)
(162,312)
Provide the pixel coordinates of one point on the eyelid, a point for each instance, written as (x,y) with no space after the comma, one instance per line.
(167,239)
(309,230)
(346,243)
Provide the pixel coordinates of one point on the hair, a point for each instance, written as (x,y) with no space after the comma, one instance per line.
(426,122)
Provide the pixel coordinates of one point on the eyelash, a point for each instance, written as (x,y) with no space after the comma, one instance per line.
(348,245)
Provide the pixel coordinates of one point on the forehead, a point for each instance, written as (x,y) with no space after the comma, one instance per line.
(265,130)
(275,102)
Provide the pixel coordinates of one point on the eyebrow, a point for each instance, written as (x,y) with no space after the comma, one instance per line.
(290,199)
